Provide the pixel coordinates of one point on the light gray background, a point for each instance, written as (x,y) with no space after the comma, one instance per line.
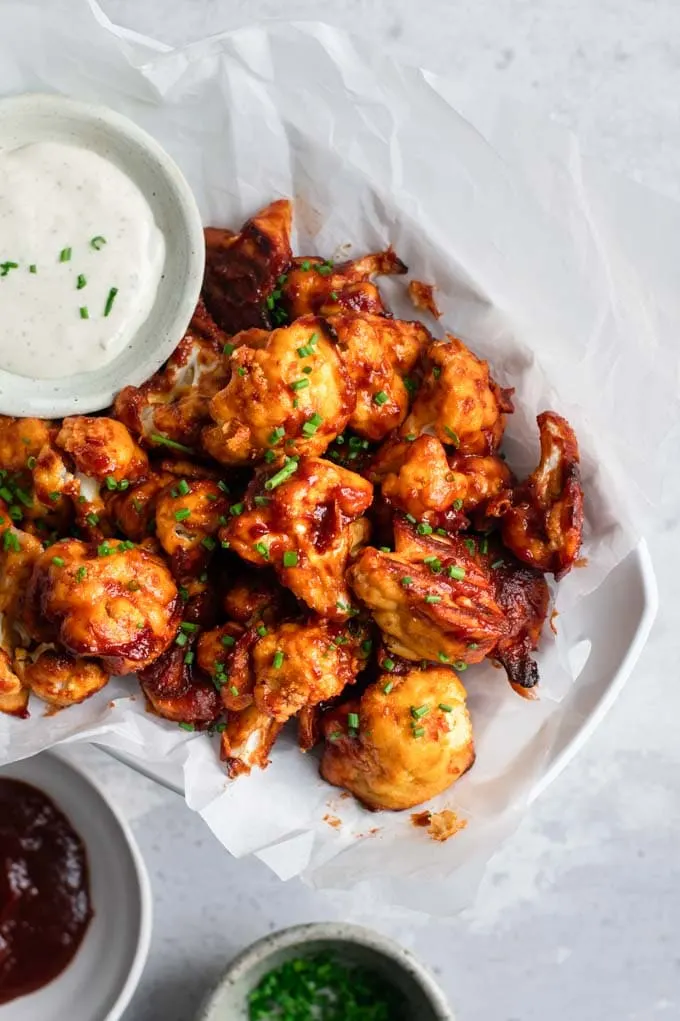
(578,915)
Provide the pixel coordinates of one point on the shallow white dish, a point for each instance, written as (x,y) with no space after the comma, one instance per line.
(51,118)
(100,980)
(605,633)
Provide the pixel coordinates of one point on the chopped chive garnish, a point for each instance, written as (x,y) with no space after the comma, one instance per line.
(228,641)
(262,631)
(10,541)
(311,425)
(183,487)
(424,529)
(65,255)
(445,708)
(278,659)
(456,572)
(92,519)
(388,687)
(419,710)
(209,543)
(411,385)
(497,563)
(31,463)
(97,242)
(228,349)
(183,514)
(173,444)
(305,265)
(418,731)
(242,371)
(58,561)
(183,593)
(308,369)
(54,496)
(299,384)
(388,664)
(406,581)
(6,494)
(33,268)
(484,546)
(458,504)
(433,599)
(181,639)
(81,282)
(335,735)
(473,645)
(15,513)
(110,300)
(262,549)
(290,558)
(334,295)
(380,398)
(324,269)
(5,267)
(460,665)
(261,501)
(236,509)
(111,483)
(269,456)
(436,371)
(84,313)
(411,520)
(186,726)
(284,473)
(188,626)
(276,435)
(189,658)
(233,690)
(443,658)
(353,720)
(410,437)
(469,545)
(81,573)
(434,563)
(452,435)
(366,647)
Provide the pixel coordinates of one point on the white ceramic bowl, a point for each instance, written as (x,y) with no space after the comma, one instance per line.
(52,118)
(423,999)
(99,982)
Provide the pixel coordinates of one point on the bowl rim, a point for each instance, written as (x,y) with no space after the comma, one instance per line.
(305,935)
(57,398)
(143,882)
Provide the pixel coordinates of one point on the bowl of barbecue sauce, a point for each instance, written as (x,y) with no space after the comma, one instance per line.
(75,915)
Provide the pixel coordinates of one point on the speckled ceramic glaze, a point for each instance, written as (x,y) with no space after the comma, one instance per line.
(51,118)
(422,997)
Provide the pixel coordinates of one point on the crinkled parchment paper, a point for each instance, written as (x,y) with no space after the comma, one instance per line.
(565,277)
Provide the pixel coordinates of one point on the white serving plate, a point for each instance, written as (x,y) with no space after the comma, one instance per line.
(99,982)
(605,634)
(49,118)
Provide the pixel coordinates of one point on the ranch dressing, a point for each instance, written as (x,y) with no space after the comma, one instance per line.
(81,258)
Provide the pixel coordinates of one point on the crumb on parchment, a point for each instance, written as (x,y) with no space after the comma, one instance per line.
(422,296)
(440,825)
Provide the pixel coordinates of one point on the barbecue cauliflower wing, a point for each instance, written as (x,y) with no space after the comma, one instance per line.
(407,739)
(544,525)
(293,395)
(117,602)
(458,401)
(242,270)
(306,528)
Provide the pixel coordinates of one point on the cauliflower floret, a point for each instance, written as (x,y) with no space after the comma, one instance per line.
(379,353)
(188,516)
(313,286)
(242,270)
(407,739)
(116,601)
(459,402)
(306,528)
(293,395)
(102,449)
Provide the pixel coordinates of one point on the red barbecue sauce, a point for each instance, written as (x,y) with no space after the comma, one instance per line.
(45,904)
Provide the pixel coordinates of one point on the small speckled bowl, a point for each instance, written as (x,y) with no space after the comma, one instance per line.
(422,997)
(51,118)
